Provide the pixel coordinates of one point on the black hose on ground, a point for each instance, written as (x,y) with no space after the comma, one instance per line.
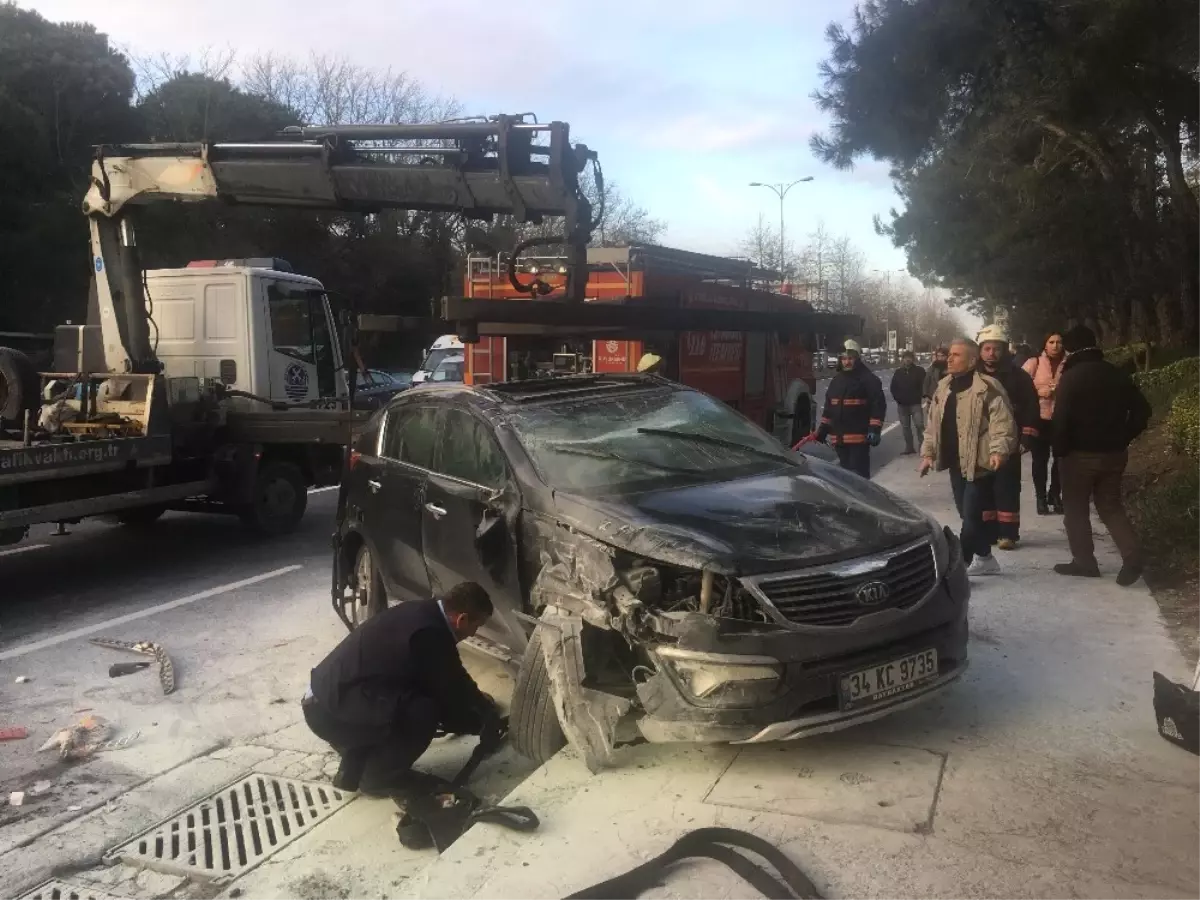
(710,843)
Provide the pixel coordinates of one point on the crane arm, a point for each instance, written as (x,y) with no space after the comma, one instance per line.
(501,166)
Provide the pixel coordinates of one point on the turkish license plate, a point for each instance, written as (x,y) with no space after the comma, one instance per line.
(867,686)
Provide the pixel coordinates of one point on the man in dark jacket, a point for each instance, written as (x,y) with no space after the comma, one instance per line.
(1098,411)
(995,360)
(937,371)
(908,383)
(854,411)
(381,695)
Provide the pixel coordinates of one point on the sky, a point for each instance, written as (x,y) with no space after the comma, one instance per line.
(687,101)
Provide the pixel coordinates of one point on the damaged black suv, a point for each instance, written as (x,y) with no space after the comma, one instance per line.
(662,568)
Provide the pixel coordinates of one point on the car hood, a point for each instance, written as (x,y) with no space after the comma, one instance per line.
(795,517)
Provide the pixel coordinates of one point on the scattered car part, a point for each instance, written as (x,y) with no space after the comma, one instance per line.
(166,670)
(1177,709)
(14,733)
(116,670)
(16,798)
(78,741)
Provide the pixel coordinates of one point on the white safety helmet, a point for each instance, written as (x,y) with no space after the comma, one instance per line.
(992,333)
(650,362)
(852,346)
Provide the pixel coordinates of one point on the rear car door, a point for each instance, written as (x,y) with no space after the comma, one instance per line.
(469,523)
(409,437)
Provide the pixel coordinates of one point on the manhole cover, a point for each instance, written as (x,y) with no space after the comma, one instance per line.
(55,889)
(234,829)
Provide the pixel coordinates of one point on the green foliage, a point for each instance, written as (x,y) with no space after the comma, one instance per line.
(1167,516)
(1162,385)
(1183,422)
(1041,150)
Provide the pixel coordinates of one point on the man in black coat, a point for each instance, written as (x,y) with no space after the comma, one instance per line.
(854,411)
(382,694)
(1098,411)
(908,384)
(995,360)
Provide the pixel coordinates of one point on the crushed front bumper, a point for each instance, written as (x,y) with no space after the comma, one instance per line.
(681,706)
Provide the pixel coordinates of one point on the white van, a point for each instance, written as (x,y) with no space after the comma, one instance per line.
(446,345)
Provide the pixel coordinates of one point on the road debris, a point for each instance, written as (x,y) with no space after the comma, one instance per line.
(166,670)
(14,733)
(78,741)
(40,787)
(116,670)
(16,798)
(23,679)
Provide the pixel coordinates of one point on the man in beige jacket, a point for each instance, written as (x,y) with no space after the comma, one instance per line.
(971,431)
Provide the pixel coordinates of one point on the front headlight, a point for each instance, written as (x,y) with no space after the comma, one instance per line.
(705,674)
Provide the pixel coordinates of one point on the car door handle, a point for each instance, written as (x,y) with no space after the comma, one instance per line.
(437,511)
(374,486)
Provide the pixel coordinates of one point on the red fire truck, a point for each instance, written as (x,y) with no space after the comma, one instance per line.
(767,376)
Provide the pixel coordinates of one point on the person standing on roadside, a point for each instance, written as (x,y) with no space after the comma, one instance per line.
(971,432)
(854,411)
(1045,371)
(908,383)
(995,361)
(1098,411)
(937,371)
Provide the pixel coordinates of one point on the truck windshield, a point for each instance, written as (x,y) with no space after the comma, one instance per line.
(644,440)
(435,358)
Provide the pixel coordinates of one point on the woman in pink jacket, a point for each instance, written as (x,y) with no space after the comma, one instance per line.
(1045,370)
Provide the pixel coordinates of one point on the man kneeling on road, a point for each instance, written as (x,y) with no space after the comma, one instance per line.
(383,693)
(971,432)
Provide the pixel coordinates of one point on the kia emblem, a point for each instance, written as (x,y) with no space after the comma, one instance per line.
(872,593)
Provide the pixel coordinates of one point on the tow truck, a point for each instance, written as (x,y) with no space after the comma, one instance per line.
(224,386)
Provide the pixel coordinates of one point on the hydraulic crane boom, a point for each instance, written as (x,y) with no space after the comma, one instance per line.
(501,166)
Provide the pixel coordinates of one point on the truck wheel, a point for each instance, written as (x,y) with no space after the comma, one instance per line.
(533,727)
(142,517)
(19,385)
(369,596)
(280,498)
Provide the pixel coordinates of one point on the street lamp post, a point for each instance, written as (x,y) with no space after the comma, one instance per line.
(887,307)
(781,191)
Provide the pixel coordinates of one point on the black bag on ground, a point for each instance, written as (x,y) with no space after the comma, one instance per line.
(1177,709)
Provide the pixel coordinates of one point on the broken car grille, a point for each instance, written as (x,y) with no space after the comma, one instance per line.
(840,594)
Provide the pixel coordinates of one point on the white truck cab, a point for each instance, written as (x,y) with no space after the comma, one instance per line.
(445,346)
(252,324)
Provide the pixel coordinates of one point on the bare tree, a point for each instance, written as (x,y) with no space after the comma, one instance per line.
(152,72)
(331,90)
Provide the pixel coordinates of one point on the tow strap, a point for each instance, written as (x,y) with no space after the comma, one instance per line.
(710,843)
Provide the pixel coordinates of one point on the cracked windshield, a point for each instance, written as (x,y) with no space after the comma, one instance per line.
(731,439)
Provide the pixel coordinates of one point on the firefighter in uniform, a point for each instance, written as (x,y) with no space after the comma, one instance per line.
(855,406)
(996,361)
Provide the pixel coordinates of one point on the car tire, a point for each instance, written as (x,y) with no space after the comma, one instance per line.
(19,384)
(370,599)
(280,498)
(533,728)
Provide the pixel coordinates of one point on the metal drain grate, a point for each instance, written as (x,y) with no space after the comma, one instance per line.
(54,889)
(234,829)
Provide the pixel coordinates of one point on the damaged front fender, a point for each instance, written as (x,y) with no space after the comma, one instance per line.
(587,717)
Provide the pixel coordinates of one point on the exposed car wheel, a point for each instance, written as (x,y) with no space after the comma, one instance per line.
(280,498)
(370,598)
(533,727)
(141,517)
(18,385)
